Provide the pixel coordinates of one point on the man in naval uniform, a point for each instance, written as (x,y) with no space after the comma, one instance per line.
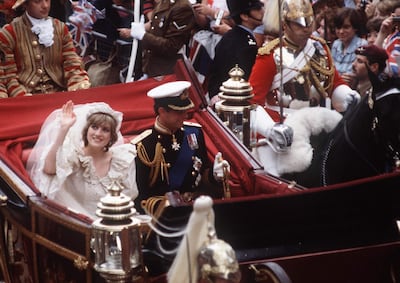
(238,46)
(172,155)
(38,54)
(308,74)
(163,37)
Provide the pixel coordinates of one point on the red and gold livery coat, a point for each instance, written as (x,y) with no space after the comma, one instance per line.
(30,67)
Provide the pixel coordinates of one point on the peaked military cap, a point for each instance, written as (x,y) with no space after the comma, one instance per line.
(237,7)
(174,95)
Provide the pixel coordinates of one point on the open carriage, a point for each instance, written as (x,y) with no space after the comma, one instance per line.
(341,233)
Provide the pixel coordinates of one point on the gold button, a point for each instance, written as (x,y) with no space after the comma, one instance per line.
(38,57)
(164,150)
(31,83)
(39,71)
(152,28)
(34,43)
(168,165)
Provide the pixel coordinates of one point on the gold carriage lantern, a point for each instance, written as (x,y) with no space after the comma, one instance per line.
(117,240)
(235,108)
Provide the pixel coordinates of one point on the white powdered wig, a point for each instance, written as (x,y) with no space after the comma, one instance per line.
(271,17)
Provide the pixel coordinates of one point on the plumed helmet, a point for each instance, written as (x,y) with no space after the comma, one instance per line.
(237,7)
(298,11)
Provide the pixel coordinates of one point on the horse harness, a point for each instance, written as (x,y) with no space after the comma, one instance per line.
(375,127)
(393,154)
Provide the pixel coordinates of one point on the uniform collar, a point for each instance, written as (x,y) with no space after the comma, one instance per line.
(161,128)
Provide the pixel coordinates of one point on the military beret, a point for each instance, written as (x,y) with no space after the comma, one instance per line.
(174,95)
(373,53)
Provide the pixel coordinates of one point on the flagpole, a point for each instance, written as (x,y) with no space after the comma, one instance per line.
(136,15)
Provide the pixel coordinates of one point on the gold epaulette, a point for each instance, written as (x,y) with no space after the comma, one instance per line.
(266,49)
(141,136)
(186,123)
(320,39)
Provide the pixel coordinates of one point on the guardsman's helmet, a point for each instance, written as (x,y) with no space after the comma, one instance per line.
(298,11)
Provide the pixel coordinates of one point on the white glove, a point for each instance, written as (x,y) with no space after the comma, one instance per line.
(343,96)
(137,29)
(220,166)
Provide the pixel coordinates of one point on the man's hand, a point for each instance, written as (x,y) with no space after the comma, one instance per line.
(221,167)
(137,29)
(343,96)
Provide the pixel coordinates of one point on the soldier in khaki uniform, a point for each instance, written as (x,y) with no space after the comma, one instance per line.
(162,38)
(38,55)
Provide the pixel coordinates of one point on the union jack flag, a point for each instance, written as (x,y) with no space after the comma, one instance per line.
(392,46)
(81,22)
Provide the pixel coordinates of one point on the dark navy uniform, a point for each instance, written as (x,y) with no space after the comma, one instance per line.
(237,46)
(177,165)
(173,160)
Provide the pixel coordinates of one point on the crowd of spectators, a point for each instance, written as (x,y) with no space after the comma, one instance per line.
(172,29)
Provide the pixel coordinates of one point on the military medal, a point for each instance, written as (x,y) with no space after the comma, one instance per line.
(175,145)
(192,141)
(161,23)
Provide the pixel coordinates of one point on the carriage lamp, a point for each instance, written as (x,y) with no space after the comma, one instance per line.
(116,238)
(234,108)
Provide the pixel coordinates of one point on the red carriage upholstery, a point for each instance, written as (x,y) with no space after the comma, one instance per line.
(23,117)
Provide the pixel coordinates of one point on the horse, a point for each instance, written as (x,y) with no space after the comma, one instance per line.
(365,142)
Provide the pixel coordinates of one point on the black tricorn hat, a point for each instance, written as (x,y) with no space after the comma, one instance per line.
(237,7)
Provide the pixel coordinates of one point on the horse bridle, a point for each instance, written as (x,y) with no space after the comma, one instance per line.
(375,127)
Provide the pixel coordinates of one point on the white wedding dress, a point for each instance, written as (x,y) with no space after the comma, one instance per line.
(76,184)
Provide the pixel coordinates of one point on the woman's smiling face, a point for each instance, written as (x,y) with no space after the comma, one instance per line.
(346,32)
(99,135)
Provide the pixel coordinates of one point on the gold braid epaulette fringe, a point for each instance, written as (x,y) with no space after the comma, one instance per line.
(327,72)
(266,49)
(153,206)
(157,165)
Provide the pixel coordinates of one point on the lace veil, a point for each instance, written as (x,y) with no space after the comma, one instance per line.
(48,184)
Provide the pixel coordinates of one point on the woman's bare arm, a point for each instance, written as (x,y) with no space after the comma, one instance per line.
(67,119)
